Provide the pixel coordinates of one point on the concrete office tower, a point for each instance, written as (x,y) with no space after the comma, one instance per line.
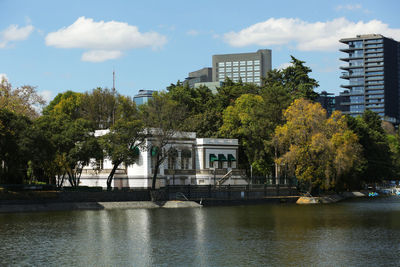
(374,76)
(250,67)
(199,76)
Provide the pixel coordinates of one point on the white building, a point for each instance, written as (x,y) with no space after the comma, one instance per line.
(196,161)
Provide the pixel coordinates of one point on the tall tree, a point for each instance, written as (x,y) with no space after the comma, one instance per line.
(122,144)
(248,121)
(68,103)
(295,79)
(72,136)
(376,150)
(23,100)
(164,119)
(14,154)
(317,150)
(100,106)
(252,119)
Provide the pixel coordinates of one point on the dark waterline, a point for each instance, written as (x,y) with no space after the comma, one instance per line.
(357,233)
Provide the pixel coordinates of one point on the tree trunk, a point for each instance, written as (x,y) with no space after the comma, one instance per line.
(111,175)
(276,165)
(71,179)
(310,188)
(153,182)
(60,183)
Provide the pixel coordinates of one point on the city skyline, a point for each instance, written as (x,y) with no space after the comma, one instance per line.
(76,46)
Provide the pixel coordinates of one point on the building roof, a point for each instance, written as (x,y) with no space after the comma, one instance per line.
(361,37)
(143,93)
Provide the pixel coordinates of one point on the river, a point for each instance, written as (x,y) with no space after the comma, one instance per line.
(354,233)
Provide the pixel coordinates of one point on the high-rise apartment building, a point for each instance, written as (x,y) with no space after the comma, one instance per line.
(327,101)
(249,67)
(373,72)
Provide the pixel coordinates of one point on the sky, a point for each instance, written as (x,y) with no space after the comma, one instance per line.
(75,45)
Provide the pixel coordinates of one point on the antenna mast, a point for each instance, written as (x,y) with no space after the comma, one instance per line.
(113,79)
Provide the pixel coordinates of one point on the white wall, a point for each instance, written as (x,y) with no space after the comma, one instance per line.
(139,174)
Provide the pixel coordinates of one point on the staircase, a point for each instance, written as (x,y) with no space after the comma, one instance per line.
(224,178)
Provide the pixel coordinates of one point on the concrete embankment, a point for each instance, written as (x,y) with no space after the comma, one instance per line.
(9,208)
(329,199)
(256,201)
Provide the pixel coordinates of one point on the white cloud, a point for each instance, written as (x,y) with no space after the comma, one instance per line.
(349,7)
(101,55)
(318,36)
(192,33)
(106,40)
(3,76)
(47,95)
(14,33)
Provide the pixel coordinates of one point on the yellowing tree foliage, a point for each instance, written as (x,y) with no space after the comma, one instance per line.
(23,100)
(318,150)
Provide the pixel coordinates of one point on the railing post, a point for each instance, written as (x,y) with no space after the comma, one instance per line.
(188,190)
(248,191)
(277,189)
(167,191)
(229,191)
(209,191)
(265,190)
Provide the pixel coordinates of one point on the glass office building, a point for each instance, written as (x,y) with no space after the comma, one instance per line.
(143,96)
(372,74)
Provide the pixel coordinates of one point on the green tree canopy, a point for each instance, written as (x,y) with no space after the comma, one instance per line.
(378,163)
(295,79)
(122,144)
(248,121)
(14,154)
(100,106)
(68,103)
(164,119)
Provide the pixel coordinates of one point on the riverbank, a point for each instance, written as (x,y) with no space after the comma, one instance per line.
(329,198)
(65,201)
(68,206)
(41,207)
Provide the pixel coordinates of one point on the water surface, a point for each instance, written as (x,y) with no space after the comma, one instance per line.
(356,233)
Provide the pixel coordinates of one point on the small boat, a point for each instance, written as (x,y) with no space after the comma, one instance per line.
(373,194)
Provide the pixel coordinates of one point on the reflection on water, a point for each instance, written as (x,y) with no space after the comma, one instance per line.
(356,233)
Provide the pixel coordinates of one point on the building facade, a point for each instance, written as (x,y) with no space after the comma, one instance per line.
(373,75)
(327,101)
(203,75)
(249,67)
(193,161)
(143,96)
(210,85)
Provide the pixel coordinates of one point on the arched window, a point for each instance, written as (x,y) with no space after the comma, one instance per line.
(172,158)
(186,155)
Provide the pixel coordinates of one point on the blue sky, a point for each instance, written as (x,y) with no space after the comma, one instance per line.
(75,45)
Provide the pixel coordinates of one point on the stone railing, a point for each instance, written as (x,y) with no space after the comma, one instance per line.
(102,171)
(179,172)
(218,172)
